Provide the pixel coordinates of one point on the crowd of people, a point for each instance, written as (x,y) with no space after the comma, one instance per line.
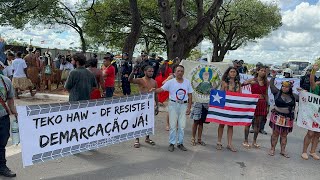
(84,80)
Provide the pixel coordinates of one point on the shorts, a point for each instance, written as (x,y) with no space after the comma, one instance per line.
(199,112)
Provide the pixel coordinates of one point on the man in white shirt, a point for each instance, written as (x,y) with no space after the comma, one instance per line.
(20,79)
(180,102)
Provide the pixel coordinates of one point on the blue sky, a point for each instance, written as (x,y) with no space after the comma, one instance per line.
(298,38)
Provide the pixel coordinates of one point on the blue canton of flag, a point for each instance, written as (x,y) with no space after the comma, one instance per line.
(217,98)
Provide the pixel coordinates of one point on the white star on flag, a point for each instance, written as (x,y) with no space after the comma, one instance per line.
(216,97)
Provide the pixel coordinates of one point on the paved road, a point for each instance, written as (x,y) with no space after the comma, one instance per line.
(122,161)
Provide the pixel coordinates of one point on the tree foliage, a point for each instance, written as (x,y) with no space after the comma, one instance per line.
(239,22)
(18,13)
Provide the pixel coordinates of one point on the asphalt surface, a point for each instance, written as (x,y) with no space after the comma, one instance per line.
(123,161)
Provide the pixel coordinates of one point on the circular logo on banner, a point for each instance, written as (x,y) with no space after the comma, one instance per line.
(204,78)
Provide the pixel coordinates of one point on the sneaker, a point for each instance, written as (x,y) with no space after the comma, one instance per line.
(251,131)
(263,132)
(181,147)
(7,172)
(171,148)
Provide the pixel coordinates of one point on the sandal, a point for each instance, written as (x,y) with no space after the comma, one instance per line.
(193,142)
(136,145)
(149,141)
(285,155)
(219,146)
(232,149)
(246,145)
(314,156)
(271,153)
(201,142)
(255,145)
(304,156)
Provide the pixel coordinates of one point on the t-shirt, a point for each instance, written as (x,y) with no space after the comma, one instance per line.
(110,78)
(4,96)
(7,71)
(18,66)
(80,84)
(178,91)
(67,66)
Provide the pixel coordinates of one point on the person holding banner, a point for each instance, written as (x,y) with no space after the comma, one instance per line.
(312,136)
(282,116)
(180,95)
(146,84)
(259,85)
(230,82)
(6,106)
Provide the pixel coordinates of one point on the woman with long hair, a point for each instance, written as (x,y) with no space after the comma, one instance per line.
(259,85)
(230,82)
(282,116)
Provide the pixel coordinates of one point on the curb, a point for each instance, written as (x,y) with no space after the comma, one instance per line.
(48,96)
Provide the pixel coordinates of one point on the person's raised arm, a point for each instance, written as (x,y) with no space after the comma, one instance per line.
(274,89)
(131,77)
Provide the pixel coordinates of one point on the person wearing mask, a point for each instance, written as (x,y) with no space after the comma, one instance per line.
(81,81)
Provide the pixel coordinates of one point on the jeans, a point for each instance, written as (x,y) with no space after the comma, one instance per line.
(4,136)
(177,113)
(109,91)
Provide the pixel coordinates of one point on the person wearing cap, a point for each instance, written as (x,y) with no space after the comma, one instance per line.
(20,78)
(155,64)
(109,76)
(126,70)
(282,116)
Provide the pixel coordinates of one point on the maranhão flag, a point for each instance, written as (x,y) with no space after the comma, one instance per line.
(231,108)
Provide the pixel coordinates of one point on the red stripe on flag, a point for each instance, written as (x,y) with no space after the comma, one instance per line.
(235,109)
(242,95)
(227,123)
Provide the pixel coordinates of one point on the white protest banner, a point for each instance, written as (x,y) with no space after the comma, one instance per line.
(204,77)
(309,111)
(277,82)
(51,131)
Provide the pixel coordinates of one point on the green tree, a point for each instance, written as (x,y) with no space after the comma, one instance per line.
(239,22)
(112,22)
(184,22)
(17,13)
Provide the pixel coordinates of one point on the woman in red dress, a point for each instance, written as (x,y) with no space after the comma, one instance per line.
(259,85)
(164,73)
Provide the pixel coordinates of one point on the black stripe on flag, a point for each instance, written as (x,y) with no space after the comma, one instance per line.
(241,102)
(230,115)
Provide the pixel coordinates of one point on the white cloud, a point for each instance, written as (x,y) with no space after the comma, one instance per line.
(298,38)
